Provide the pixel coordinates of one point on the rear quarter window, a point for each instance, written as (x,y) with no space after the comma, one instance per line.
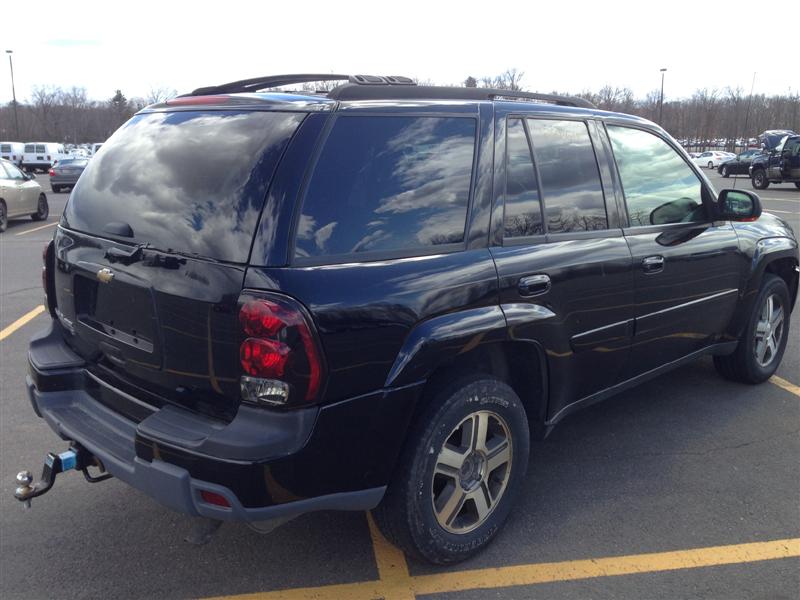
(396,184)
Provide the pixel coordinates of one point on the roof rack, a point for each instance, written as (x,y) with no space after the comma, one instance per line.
(270,81)
(390,87)
(420,92)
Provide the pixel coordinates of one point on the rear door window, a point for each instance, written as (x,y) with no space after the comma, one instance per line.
(523,211)
(30,148)
(5,147)
(396,184)
(158,175)
(570,179)
(659,186)
(40,148)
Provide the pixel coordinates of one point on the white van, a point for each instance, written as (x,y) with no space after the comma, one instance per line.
(12,151)
(42,155)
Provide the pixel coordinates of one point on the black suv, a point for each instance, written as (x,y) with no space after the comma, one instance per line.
(265,304)
(780,161)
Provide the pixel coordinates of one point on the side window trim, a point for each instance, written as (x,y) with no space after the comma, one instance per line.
(402,253)
(627,228)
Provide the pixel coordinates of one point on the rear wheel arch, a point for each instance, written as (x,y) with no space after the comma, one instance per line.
(520,364)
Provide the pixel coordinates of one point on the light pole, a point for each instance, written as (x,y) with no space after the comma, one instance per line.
(13,93)
(661,100)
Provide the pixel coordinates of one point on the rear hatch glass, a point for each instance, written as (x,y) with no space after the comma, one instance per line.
(191,181)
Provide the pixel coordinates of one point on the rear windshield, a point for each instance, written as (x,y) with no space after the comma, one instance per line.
(5,147)
(191,181)
(73,162)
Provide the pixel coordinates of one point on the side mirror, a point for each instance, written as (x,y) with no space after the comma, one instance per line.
(738,205)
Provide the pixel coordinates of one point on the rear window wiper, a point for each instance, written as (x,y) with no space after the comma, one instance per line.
(166,258)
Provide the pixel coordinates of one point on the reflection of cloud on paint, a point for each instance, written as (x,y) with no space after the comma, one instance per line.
(71,43)
(323,234)
(305,227)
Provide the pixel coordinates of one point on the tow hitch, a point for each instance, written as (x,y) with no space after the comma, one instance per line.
(77,458)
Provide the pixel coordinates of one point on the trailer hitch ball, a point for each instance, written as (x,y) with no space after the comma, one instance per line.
(24,480)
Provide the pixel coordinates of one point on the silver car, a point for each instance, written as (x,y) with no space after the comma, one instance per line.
(20,196)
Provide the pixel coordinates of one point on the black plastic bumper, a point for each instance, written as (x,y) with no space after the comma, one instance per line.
(266,464)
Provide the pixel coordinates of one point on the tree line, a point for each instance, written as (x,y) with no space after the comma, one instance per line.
(70,116)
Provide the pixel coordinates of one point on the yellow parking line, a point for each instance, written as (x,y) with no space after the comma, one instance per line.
(458,581)
(37,228)
(787,385)
(392,566)
(20,322)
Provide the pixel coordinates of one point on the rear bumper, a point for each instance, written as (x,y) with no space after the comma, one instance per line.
(63,180)
(266,464)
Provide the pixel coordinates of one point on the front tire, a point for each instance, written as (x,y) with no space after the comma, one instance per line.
(42,209)
(760,181)
(3,217)
(763,342)
(461,471)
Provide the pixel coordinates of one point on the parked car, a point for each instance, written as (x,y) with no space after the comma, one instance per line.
(20,196)
(778,165)
(66,173)
(739,165)
(12,152)
(712,159)
(432,276)
(40,156)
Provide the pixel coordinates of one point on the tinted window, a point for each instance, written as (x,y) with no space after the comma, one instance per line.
(40,148)
(523,214)
(157,175)
(573,195)
(659,186)
(73,162)
(388,183)
(30,148)
(5,147)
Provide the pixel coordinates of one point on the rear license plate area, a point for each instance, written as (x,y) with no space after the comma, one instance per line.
(117,310)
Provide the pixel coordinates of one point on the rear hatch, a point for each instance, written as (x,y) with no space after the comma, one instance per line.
(152,248)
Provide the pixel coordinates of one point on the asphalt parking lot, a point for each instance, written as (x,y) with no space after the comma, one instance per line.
(688,486)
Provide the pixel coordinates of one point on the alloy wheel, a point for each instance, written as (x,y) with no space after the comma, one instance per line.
(769,331)
(472,472)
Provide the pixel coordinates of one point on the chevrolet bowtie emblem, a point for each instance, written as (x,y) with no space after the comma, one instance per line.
(105,275)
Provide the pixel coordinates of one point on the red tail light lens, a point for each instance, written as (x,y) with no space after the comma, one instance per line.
(52,172)
(214,498)
(279,355)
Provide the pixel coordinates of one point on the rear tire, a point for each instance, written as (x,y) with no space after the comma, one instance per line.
(3,217)
(760,181)
(437,511)
(56,188)
(42,209)
(725,172)
(710,165)
(748,364)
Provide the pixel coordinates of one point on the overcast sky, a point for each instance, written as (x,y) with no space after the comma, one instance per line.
(561,45)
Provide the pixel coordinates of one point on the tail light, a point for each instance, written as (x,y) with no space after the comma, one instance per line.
(52,172)
(280,356)
(48,157)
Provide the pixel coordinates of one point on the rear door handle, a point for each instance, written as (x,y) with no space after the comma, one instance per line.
(653,264)
(534,285)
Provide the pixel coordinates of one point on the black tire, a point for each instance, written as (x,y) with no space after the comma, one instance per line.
(43,209)
(760,181)
(725,172)
(710,165)
(797,184)
(743,365)
(407,517)
(3,217)
(56,188)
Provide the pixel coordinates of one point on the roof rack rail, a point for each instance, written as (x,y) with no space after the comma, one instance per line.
(270,81)
(358,92)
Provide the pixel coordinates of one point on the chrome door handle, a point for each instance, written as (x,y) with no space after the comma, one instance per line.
(534,285)
(653,264)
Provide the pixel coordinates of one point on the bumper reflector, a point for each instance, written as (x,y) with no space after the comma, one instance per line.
(214,498)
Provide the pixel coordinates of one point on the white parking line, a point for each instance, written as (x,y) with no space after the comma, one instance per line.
(785,212)
(37,228)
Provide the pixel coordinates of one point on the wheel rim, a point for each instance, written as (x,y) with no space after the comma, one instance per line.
(769,331)
(472,472)
(759,179)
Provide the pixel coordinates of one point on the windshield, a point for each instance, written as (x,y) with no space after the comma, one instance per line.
(190,181)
